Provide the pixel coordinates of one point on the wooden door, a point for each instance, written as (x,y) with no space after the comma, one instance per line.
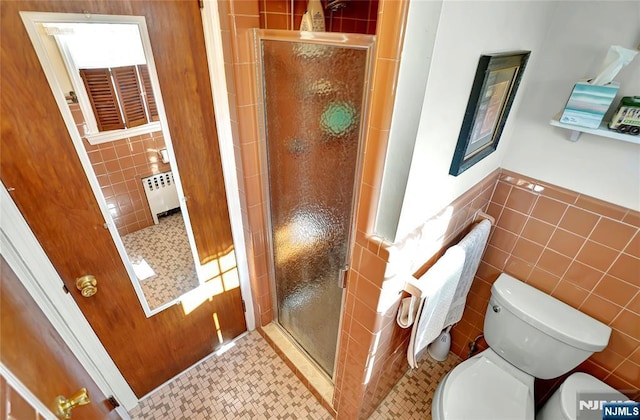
(36,354)
(39,165)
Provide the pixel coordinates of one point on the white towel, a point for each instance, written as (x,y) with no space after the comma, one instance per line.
(437,287)
(473,245)
(407,312)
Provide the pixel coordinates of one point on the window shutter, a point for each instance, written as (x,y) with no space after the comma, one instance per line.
(148,91)
(103,99)
(130,94)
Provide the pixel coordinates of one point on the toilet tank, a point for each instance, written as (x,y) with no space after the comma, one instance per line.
(536,332)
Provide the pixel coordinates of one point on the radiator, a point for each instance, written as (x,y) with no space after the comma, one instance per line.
(161,193)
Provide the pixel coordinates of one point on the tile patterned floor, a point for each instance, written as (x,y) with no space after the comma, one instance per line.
(412,396)
(165,247)
(249,381)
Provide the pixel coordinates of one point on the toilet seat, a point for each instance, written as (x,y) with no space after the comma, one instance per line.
(579,383)
(484,387)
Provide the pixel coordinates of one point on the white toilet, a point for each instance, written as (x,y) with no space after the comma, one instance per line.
(530,335)
(563,404)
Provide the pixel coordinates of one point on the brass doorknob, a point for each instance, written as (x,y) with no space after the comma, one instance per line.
(64,405)
(88,285)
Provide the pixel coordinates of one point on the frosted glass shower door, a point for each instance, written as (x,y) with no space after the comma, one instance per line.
(313,97)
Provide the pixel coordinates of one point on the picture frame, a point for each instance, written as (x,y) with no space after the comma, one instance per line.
(494,88)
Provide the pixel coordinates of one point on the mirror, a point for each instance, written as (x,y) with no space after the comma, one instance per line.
(102,74)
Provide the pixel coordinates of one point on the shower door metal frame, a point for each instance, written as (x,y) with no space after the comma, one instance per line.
(347,40)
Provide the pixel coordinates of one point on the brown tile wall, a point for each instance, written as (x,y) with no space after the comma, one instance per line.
(371,353)
(353,397)
(237,19)
(359,16)
(120,166)
(583,251)
(370,336)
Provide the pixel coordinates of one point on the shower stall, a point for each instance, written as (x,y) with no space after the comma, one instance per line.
(313,89)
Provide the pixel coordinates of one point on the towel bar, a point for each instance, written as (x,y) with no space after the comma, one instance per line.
(480,216)
(411,286)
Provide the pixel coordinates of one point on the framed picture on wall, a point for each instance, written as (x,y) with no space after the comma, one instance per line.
(492,93)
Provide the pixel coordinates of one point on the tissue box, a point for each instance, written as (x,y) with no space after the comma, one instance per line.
(588,104)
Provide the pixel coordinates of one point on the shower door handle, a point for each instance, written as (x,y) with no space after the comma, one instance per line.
(342,277)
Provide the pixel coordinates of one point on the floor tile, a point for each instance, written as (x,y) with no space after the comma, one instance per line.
(249,381)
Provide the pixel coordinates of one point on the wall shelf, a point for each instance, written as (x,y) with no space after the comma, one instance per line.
(602,131)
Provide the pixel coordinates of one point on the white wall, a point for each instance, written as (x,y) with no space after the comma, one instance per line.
(466,30)
(417,52)
(577,39)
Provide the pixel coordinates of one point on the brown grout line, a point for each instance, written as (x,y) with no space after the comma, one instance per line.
(573,259)
(613,369)
(247,15)
(606,272)
(626,306)
(626,358)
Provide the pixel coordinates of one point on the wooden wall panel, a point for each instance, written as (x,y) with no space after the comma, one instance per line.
(36,354)
(51,190)
(177,40)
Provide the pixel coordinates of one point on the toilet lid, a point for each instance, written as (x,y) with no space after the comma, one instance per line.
(479,389)
(581,385)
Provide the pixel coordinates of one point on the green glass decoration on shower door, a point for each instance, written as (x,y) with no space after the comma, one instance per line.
(313,98)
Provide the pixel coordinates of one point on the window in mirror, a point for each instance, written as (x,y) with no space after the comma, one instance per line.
(131,171)
(108,72)
(118,97)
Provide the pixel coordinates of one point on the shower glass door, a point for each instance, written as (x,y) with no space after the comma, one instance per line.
(313,100)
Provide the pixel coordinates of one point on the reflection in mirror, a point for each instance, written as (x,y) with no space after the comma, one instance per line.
(107,74)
